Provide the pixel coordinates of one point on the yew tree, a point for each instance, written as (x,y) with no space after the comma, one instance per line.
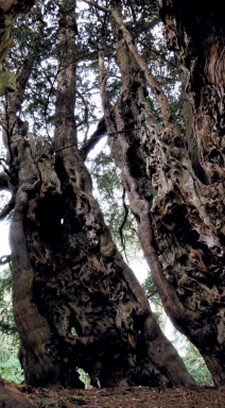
(77,304)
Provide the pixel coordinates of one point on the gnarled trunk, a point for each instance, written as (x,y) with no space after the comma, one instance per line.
(174,181)
(198,36)
(76,302)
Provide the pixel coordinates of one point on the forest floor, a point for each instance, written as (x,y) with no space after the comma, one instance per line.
(22,396)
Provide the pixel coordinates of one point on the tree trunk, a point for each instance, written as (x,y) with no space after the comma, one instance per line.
(175,182)
(76,302)
(198,38)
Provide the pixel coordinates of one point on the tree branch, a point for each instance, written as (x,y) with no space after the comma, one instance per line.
(126,212)
(5,259)
(94,4)
(166,110)
(103,77)
(85,119)
(7,209)
(94,139)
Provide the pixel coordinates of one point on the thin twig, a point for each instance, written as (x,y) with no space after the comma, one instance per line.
(7,209)
(5,259)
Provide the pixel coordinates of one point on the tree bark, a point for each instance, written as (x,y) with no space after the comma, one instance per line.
(175,182)
(9,9)
(198,38)
(76,302)
(10,397)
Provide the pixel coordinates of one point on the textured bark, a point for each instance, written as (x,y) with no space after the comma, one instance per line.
(175,182)
(76,302)
(16,7)
(9,9)
(198,36)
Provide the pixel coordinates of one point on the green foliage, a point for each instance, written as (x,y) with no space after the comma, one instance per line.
(110,195)
(151,291)
(84,377)
(10,368)
(7,325)
(191,358)
(196,365)
(9,340)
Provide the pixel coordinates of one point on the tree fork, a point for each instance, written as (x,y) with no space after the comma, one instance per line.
(76,302)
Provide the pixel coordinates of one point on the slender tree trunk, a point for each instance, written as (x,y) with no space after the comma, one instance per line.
(76,302)
(175,182)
